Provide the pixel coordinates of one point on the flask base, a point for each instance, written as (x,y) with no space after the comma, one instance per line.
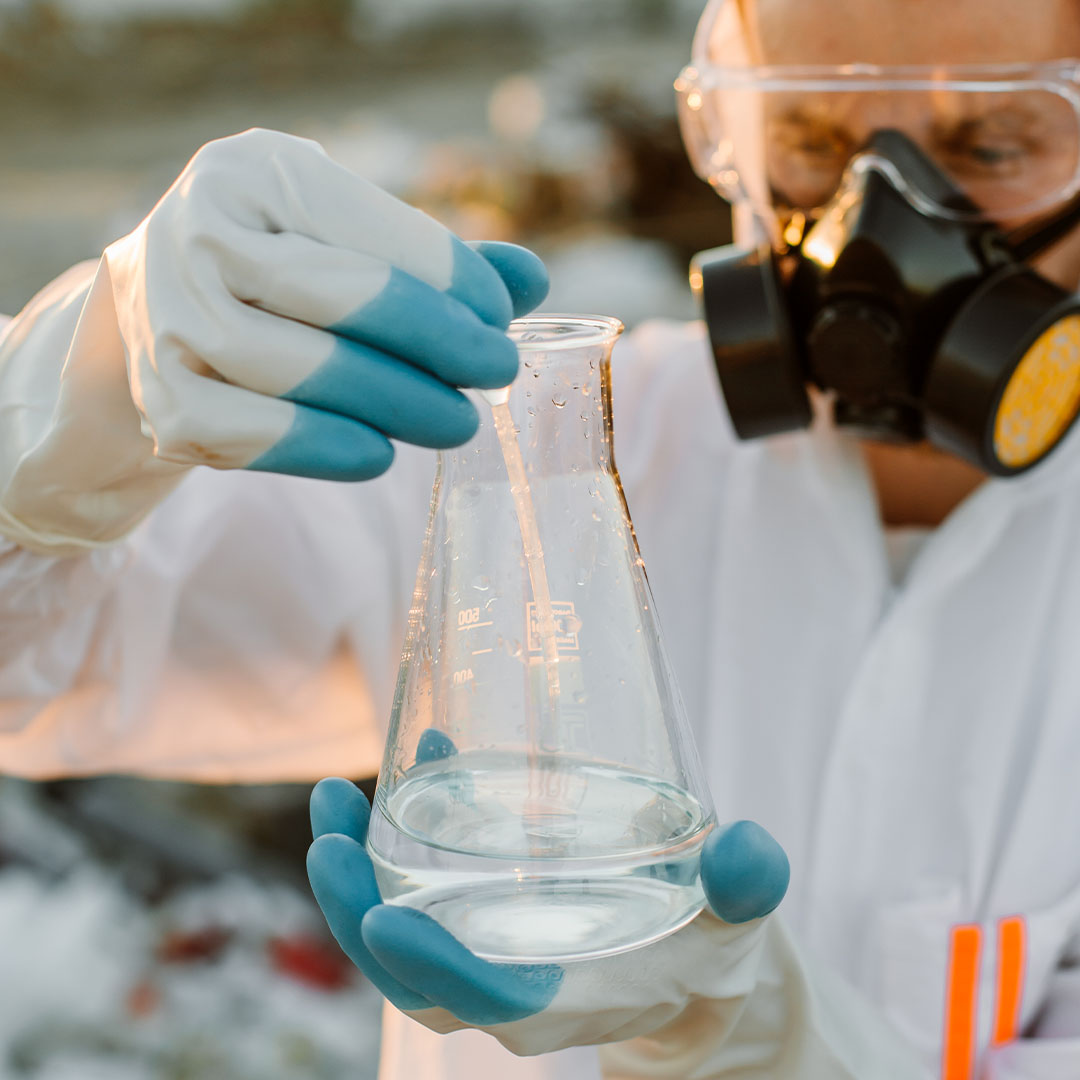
(545,920)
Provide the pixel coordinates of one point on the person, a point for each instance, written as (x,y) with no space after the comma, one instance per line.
(874,639)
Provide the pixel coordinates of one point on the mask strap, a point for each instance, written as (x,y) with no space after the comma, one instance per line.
(1031,240)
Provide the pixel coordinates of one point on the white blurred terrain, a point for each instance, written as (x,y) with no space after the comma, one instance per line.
(231,977)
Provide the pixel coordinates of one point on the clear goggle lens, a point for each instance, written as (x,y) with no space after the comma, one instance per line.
(1008,138)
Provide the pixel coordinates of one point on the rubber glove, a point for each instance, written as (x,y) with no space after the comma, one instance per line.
(532,1009)
(273,312)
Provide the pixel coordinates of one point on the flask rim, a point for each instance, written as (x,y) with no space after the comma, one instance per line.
(554,331)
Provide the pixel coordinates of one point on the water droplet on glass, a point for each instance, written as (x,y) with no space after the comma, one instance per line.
(532,335)
(558,401)
(531,411)
(527,363)
(481,583)
(596,515)
(584,416)
(580,697)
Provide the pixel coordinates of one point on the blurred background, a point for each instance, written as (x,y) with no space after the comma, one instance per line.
(154,930)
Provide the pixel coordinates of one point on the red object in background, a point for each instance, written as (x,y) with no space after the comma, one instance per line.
(143,998)
(187,946)
(311,960)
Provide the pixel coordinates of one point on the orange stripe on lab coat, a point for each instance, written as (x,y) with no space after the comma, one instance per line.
(961,994)
(1012,941)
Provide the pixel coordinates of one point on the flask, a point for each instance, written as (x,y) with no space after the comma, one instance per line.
(540,796)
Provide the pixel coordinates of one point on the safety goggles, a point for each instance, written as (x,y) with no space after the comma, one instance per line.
(783,138)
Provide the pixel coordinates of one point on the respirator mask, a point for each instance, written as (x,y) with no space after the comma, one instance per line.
(884,222)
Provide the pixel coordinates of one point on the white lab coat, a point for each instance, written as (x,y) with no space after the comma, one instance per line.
(916,750)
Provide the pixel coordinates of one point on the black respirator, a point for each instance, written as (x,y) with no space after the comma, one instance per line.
(922,327)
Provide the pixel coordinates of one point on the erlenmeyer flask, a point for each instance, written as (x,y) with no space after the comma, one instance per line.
(541,796)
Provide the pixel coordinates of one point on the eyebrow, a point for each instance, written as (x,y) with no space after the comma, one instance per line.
(798,116)
(1019,120)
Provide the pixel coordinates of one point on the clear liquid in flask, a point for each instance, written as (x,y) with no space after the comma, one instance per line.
(610,863)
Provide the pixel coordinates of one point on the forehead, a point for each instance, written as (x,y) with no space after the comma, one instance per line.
(912,31)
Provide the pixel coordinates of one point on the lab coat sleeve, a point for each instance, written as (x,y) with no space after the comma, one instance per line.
(248,630)
(45,603)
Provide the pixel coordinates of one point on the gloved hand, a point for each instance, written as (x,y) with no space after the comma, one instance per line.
(274,312)
(532,1009)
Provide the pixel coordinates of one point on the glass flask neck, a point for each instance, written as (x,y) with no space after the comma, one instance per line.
(560,405)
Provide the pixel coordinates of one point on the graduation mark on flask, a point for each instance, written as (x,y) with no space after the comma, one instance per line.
(471,618)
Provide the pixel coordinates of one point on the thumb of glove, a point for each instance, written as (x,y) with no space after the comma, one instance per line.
(744,872)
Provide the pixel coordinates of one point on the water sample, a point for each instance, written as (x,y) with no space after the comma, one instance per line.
(541,796)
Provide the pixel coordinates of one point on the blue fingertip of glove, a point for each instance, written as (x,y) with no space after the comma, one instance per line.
(438,331)
(744,872)
(523,272)
(338,806)
(325,446)
(434,745)
(418,952)
(343,881)
(396,399)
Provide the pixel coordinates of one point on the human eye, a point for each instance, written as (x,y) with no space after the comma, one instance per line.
(807,156)
(987,147)
(818,141)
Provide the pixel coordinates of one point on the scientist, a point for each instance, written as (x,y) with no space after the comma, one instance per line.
(871,590)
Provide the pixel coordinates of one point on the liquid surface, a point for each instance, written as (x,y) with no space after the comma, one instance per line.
(598,861)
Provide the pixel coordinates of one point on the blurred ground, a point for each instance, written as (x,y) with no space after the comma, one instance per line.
(556,133)
(165,931)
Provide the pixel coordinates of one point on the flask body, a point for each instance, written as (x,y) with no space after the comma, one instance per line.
(540,796)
